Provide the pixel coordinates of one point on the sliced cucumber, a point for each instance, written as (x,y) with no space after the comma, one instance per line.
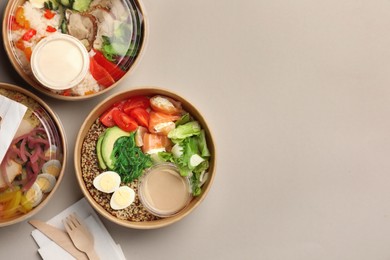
(51,4)
(67,3)
(81,5)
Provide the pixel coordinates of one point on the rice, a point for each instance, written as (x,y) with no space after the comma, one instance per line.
(38,21)
(88,85)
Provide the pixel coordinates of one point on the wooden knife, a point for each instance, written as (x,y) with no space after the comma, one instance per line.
(59,237)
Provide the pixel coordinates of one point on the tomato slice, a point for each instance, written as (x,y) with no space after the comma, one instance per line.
(107,117)
(120,104)
(115,71)
(125,122)
(135,102)
(100,74)
(141,116)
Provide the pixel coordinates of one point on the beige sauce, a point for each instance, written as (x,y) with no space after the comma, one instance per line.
(59,62)
(166,191)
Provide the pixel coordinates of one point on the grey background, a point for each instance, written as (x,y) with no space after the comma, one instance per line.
(297,95)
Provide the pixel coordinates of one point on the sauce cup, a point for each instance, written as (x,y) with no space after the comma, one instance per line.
(59,61)
(163,191)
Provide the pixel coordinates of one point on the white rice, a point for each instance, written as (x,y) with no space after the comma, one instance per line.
(38,21)
(87,85)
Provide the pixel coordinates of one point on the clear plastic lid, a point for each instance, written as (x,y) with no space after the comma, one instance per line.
(60,61)
(113,33)
(33,163)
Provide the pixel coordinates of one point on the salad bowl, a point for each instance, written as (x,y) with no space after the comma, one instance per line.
(145,158)
(74,50)
(33,166)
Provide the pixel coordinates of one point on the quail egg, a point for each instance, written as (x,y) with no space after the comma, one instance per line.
(34,195)
(52,167)
(107,182)
(46,182)
(51,152)
(122,198)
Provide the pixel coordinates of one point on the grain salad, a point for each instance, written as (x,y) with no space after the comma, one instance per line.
(90,169)
(144,158)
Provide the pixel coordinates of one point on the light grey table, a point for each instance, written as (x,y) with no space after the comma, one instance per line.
(297,94)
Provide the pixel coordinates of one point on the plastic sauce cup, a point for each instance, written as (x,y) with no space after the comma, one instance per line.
(59,61)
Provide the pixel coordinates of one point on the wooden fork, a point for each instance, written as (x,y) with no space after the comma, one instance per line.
(80,235)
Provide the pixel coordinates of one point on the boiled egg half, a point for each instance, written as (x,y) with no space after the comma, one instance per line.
(109,182)
(122,198)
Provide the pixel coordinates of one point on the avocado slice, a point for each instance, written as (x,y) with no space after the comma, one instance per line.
(111,135)
(101,162)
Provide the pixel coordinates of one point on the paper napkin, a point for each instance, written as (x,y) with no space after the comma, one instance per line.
(105,246)
(11,114)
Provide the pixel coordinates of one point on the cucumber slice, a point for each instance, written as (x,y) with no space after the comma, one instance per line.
(51,4)
(66,3)
(81,5)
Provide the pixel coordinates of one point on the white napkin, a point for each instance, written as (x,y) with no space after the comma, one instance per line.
(105,246)
(11,114)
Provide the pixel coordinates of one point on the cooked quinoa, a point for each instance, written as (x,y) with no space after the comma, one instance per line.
(90,169)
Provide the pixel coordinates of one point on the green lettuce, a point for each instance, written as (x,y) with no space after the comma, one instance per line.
(181,132)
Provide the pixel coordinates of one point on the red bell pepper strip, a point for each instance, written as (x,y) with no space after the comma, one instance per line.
(29,34)
(100,74)
(49,14)
(115,71)
(50,29)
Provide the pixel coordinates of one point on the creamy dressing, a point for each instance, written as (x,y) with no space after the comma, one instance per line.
(60,62)
(165,191)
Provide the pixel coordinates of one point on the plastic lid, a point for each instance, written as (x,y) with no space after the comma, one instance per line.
(163,191)
(60,61)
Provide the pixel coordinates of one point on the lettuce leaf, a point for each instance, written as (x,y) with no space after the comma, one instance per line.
(182,132)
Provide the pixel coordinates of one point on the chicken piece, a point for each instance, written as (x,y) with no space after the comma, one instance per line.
(105,26)
(120,11)
(13,169)
(117,8)
(82,26)
(25,127)
(100,3)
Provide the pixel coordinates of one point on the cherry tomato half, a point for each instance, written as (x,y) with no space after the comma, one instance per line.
(134,102)
(125,122)
(107,117)
(141,116)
